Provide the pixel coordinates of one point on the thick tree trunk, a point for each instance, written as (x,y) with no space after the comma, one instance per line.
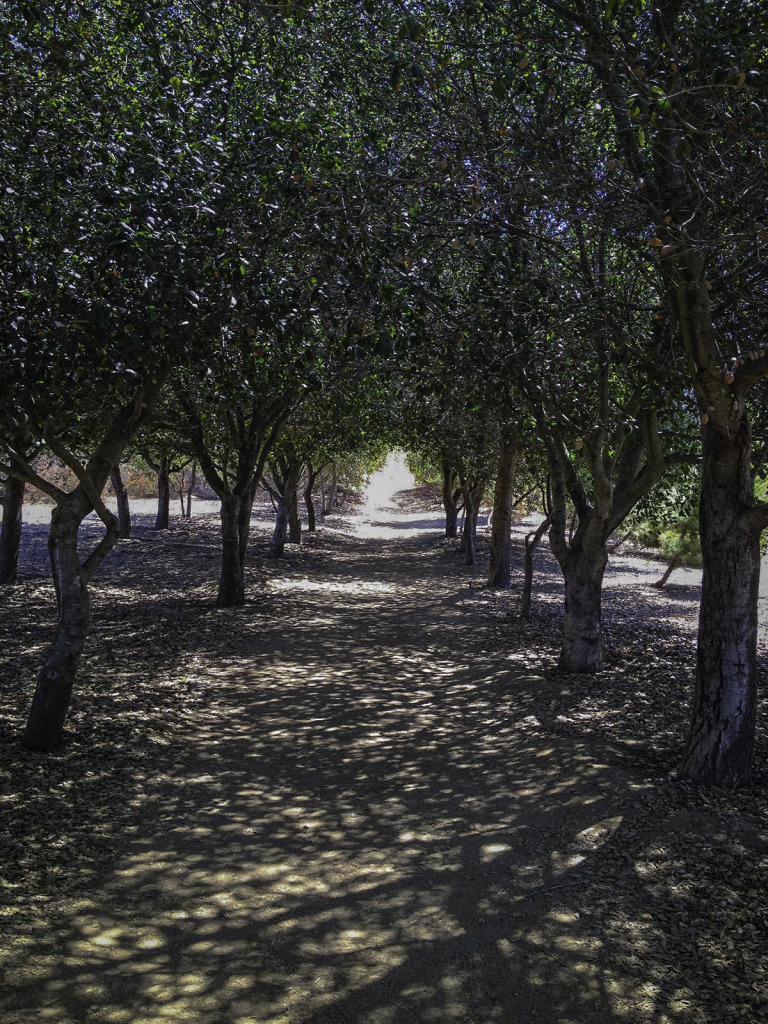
(532,542)
(55,682)
(10,532)
(449,501)
(163,495)
(123,505)
(582,647)
(500,569)
(721,738)
(232,578)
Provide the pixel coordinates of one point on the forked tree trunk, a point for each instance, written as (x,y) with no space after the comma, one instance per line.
(236,512)
(290,475)
(582,646)
(721,737)
(163,495)
(56,679)
(450,504)
(500,569)
(10,532)
(123,505)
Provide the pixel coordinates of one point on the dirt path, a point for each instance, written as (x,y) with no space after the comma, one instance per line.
(375,814)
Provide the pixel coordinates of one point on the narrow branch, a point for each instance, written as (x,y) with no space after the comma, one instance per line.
(20,468)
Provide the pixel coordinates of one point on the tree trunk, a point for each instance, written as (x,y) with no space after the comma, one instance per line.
(190,489)
(232,578)
(472,499)
(277,544)
(309,503)
(123,506)
(532,541)
(294,521)
(721,737)
(582,648)
(449,501)
(333,495)
(500,570)
(163,494)
(10,532)
(55,682)
(674,564)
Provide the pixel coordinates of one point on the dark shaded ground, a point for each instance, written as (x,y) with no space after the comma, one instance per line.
(368,796)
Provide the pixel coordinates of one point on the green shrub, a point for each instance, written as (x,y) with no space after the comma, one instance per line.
(679,542)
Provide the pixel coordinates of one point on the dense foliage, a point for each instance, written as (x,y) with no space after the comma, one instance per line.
(496,234)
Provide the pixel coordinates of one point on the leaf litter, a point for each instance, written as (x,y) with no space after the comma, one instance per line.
(663,897)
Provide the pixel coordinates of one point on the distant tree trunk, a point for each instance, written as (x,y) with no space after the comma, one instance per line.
(10,532)
(123,505)
(190,489)
(280,532)
(676,562)
(451,493)
(473,496)
(294,520)
(531,543)
(163,494)
(286,473)
(721,738)
(309,503)
(500,570)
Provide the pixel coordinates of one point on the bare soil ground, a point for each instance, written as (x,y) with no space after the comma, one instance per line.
(368,796)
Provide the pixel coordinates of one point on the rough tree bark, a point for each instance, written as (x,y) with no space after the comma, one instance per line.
(10,531)
(500,570)
(123,505)
(583,570)
(721,738)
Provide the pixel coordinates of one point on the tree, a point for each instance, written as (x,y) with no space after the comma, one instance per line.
(684,87)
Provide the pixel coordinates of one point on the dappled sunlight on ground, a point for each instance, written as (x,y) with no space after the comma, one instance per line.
(372,807)
(353,827)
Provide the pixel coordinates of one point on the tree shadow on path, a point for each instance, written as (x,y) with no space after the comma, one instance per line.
(370,817)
